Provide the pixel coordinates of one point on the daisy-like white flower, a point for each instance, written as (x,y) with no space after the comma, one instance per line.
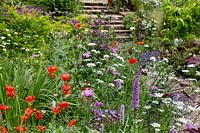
(155,125)
(91,44)
(91,65)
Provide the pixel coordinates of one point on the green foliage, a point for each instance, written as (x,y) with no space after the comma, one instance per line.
(60,5)
(182,19)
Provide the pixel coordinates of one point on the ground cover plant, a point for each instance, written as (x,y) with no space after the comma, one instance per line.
(63,74)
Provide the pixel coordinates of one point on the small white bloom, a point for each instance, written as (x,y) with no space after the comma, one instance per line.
(155,125)
(80,46)
(191,65)
(161,110)
(155,102)
(147,107)
(185,71)
(99,72)
(87,60)
(146,46)
(121,58)
(111,85)
(157,129)
(53,103)
(165,60)
(158,94)
(3,37)
(91,65)
(100,81)
(153,58)
(91,44)
(106,57)
(184,120)
(167,100)
(197,73)
(132,28)
(123,77)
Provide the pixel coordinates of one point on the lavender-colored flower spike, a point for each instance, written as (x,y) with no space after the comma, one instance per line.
(122,111)
(118,83)
(101,128)
(87,55)
(136,89)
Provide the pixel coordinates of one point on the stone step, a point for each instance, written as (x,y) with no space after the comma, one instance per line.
(107,16)
(95,11)
(94,2)
(95,7)
(123,38)
(117,31)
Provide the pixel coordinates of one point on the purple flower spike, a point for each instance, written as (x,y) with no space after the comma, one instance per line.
(118,83)
(116,73)
(136,91)
(154,88)
(35,55)
(114,50)
(190,126)
(99,104)
(101,128)
(173,131)
(88,93)
(122,111)
(74,22)
(87,55)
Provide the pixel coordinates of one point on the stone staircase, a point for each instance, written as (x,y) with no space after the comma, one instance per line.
(111,19)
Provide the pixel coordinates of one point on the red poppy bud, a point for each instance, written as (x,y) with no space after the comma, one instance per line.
(24,118)
(39,115)
(140,43)
(29,111)
(63,105)
(4,130)
(56,110)
(42,128)
(18,129)
(66,89)
(65,77)
(52,69)
(71,123)
(30,98)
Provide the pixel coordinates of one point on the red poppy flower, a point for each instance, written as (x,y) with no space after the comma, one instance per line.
(71,123)
(66,89)
(10,92)
(42,128)
(132,60)
(56,110)
(4,130)
(65,77)
(30,99)
(52,75)
(18,129)
(140,43)
(78,26)
(29,111)
(52,69)
(2,107)
(63,105)
(24,118)
(39,115)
